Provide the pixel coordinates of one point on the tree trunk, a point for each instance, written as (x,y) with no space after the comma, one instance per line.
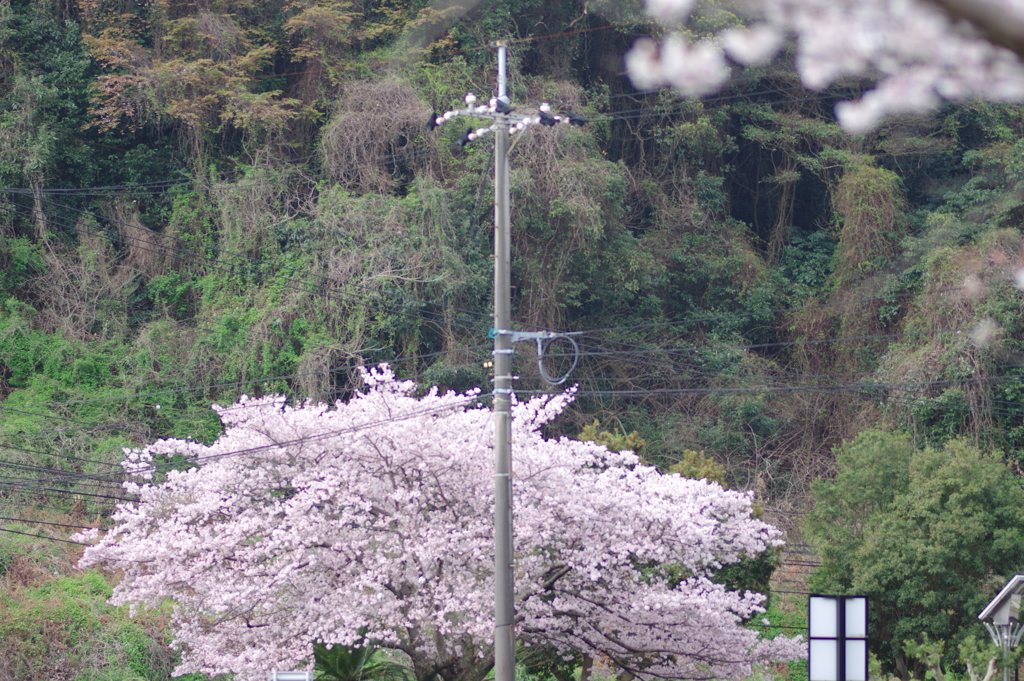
(901,667)
(37,206)
(586,667)
(779,236)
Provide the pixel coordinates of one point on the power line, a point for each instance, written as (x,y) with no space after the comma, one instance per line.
(141,469)
(205,410)
(121,426)
(768,377)
(267,379)
(42,536)
(29,468)
(189,389)
(327,287)
(8,485)
(682,106)
(43,522)
(719,317)
(53,454)
(446,53)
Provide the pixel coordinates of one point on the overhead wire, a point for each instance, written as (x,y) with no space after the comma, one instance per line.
(647,112)
(861,391)
(265,379)
(58,417)
(320,436)
(630,350)
(44,522)
(225,409)
(53,487)
(43,536)
(27,484)
(189,389)
(275,378)
(53,454)
(682,106)
(57,472)
(719,317)
(54,490)
(765,385)
(757,384)
(326,286)
(125,236)
(633,349)
(648,355)
(5,440)
(560,34)
(159,187)
(476,398)
(869,386)
(83,212)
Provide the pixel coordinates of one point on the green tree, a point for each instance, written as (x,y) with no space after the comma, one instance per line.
(924,534)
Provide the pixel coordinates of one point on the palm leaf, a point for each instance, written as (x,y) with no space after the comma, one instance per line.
(356,663)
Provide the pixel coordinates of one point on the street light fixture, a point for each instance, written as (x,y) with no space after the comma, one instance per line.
(1004,613)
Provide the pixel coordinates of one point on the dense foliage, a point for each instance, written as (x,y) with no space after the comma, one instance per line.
(752,282)
(201,200)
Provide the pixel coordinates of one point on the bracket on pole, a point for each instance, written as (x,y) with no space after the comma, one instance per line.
(543,339)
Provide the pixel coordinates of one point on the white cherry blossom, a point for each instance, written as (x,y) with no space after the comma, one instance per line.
(306,523)
(918,52)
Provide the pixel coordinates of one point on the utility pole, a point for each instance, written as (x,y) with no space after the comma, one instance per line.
(504,585)
(504,124)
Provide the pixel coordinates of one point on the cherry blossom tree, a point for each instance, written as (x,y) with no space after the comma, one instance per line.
(920,52)
(315,524)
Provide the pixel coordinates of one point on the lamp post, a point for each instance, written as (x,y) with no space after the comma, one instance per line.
(1001,619)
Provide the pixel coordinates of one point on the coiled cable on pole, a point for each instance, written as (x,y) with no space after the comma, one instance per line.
(542,345)
(543,340)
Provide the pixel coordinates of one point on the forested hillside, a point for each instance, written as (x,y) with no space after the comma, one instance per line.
(200,200)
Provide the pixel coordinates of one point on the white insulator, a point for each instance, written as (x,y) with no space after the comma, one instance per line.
(470,99)
(481,109)
(472,136)
(448,115)
(545,107)
(513,130)
(439,120)
(480,132)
